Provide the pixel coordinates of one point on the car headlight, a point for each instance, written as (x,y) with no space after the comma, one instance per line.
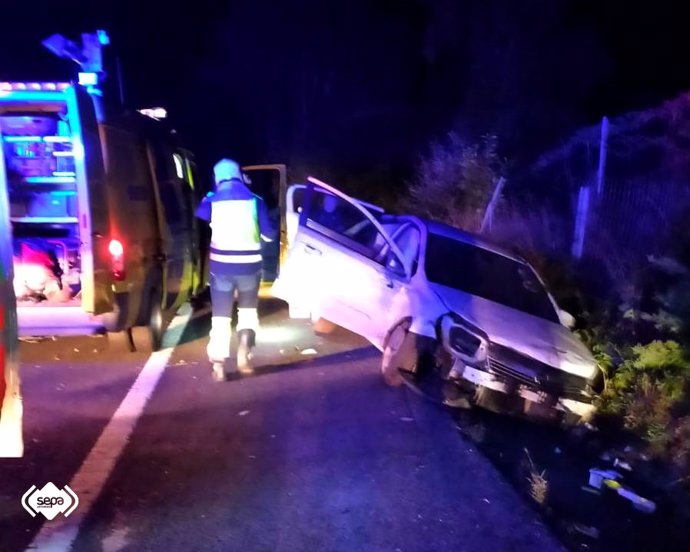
(463,341)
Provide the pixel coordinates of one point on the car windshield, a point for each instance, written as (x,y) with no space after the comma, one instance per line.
(486,274)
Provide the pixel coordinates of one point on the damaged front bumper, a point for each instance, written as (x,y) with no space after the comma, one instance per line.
(581,407)
(488,366)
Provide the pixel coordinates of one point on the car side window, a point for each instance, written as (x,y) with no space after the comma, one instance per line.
(298,199)
(408,240)
(342,222)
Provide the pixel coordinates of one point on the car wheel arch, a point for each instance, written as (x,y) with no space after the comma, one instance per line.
(406,322)
(406,356)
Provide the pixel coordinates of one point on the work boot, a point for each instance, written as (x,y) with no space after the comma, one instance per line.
(219,345)
(219,372)
(246,339)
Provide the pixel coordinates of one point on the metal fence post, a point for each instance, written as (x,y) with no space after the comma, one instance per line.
(583,203)
(603,146)
(489,213)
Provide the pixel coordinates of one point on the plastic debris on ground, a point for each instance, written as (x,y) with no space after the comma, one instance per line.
(618,463)
(599,479)
(591,532)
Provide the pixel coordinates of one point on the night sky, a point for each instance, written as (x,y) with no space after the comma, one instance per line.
(363,86)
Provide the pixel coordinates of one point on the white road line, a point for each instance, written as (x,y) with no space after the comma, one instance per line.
(59,535)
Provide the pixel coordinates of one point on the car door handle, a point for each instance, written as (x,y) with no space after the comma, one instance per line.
(311,250)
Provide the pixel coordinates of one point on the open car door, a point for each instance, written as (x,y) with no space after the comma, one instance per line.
(342,265)
(92,198)
(11,445)
(294,199)
(269,182)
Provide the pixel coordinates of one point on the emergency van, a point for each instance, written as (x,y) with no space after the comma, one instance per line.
(10,400)
(101,209)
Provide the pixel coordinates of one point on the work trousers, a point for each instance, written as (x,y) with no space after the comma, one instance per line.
(223,290)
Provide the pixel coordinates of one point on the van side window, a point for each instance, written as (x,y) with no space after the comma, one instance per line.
(170,187)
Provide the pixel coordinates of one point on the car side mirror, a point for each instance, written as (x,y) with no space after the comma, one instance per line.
(567,319)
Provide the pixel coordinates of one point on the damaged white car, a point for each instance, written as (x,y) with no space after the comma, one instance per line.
(436,300)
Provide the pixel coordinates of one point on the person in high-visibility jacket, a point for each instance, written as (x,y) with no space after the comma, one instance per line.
(239,222)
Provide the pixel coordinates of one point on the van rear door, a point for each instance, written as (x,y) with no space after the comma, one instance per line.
(174,218)
(94,227)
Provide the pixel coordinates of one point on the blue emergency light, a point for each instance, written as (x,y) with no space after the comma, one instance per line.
(103,37)
(33,86)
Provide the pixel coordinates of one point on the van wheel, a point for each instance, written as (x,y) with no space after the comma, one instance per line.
(149,338)
(201,298)
(121,341)
(115,321)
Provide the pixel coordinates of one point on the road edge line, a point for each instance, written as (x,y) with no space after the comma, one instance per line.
(60,534)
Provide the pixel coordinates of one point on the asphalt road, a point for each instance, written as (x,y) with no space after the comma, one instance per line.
(313,452)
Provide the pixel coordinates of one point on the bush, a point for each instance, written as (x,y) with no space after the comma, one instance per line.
(648,389)
(454,182)
(637,324)
(679,446)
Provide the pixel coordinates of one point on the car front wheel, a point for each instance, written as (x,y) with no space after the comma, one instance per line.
(400,352)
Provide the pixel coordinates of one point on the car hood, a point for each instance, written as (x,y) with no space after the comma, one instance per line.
(545,341)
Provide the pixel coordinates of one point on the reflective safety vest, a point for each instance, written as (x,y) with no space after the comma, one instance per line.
(235,237)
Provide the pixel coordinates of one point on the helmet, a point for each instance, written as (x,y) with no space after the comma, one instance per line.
(226,169)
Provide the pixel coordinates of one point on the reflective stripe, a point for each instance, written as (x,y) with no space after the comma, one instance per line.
(218,348)
(239,259)
(247,319)
(226,251)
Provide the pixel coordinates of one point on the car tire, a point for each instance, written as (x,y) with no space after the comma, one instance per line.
(406,352)
(400,352)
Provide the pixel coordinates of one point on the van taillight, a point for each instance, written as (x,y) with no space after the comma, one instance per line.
(117,259)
